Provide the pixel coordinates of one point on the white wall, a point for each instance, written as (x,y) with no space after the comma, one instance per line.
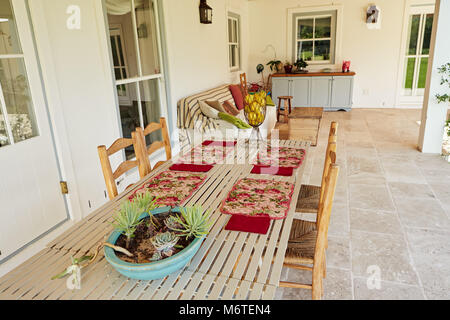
(374,54)
(198,53)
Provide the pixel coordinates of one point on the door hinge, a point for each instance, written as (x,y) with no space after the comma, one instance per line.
(64,188)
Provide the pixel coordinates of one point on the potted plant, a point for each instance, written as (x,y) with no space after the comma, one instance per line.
(160,240)
(301,64)
(275,65)
(288,67)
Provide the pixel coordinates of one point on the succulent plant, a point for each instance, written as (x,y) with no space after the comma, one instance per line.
(194,222)
(126,220)
(164,243)
(172,223)
(145,201)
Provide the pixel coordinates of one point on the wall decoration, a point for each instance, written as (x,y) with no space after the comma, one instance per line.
(373,17)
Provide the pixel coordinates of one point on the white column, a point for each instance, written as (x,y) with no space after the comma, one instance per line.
(433,113)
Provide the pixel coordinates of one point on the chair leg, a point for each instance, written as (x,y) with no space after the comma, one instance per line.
(317,282)
(290,106)
(324,266)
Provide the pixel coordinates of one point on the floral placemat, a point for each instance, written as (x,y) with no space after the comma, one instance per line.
(172,188)
(206,154)
(281,157)
(259,197)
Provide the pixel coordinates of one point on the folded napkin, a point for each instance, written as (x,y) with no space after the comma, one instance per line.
(219,143)
(191,167)
(253,224)
(279,171)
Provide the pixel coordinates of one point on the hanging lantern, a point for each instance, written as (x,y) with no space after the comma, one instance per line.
(205,12)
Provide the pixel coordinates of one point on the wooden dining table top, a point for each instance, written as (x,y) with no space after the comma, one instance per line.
(228,265)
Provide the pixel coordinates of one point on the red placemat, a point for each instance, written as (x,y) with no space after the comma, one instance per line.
(191,167)
(258,224)
(219,143)
(279,171)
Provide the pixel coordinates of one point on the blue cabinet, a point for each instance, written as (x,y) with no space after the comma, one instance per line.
(333,93)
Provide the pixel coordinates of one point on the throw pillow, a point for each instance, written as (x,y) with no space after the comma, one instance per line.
(237,96)
(230,108)
(216,105)
(208,111)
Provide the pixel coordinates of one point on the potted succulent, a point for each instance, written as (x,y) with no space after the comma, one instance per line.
(288,67)
(301,64)
(160,240)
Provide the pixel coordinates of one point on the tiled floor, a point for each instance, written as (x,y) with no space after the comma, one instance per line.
(391,211)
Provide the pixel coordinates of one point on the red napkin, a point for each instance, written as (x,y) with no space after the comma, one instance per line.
(191,167)
(219,143)
(253,224)
(279,171)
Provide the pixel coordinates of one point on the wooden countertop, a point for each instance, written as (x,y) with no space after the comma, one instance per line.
(313,74)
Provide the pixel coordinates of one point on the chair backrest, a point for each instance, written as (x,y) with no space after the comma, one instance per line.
(330,158)
(144,152)
(243,79)
(104,154)
(332,137)
(324,214)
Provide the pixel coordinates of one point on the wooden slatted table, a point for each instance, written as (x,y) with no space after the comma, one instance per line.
(228,265)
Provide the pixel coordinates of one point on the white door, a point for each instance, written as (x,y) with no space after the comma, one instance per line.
(31,202)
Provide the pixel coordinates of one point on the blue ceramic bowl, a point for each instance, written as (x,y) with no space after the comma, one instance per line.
(153,270)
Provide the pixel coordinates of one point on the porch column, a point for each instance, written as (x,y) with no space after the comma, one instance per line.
(434,114)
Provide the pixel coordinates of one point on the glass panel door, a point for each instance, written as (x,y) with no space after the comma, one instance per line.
(420,26)
(17,119)
(136,57)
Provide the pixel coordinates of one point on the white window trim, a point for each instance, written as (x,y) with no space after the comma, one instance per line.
(338,43)
(313,39)
(238,43)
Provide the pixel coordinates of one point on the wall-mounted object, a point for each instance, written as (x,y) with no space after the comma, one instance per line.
(205,12)
(373,17)
(142,31)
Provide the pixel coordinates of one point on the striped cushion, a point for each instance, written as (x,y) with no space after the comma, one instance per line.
(191,117)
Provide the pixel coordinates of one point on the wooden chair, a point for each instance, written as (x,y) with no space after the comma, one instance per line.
(286,105)
(110,176)
(308,241)
(310,196)
(144,152)
(243,80)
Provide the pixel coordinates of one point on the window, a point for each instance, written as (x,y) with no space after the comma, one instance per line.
(234,47)
(136,58)
(17,119)
(315,37)
(420,26)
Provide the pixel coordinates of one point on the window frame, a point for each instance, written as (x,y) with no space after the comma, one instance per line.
(234,17)
(338,10)
(331,38)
